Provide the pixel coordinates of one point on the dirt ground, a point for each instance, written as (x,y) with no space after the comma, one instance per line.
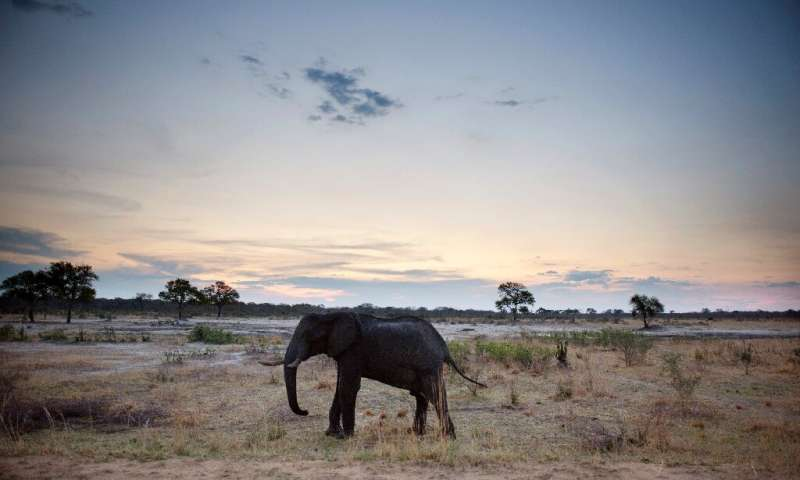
(118,407)
(57,468)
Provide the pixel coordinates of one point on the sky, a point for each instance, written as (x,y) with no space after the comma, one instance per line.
(408,153)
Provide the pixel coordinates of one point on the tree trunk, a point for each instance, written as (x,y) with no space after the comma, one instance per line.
(180,311)
(219,310)
(644,319)
(514,315)
(30,314)
(69,312)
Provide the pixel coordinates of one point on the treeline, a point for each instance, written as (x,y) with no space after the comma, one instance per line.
(105,307)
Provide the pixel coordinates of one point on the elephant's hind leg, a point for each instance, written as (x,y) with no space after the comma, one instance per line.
(437,392)
(421,413)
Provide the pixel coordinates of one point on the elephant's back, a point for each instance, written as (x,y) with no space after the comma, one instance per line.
(409,340)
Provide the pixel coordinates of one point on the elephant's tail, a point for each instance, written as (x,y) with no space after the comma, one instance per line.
(450,362)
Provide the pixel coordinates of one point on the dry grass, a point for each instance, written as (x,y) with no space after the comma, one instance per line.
(219,409)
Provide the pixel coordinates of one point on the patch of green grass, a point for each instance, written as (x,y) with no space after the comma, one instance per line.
(217,336)
(57,335)
(526,355)
(10,334)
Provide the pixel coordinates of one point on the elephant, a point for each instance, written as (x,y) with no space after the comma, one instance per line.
(404,352)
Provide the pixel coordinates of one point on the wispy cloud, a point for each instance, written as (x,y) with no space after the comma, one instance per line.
(589,277)
(25,241)
(508,103)
(272,84)
(253,60)
(444,98)
(165,266)
(513,102)
(68,9)
(304,293)
(87,197)
(350,103)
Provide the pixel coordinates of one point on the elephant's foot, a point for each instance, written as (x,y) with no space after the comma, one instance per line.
(333,432)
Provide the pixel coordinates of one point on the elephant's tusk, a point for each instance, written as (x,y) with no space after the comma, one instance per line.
(294,364)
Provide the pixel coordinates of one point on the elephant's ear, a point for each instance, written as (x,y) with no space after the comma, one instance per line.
(344,332)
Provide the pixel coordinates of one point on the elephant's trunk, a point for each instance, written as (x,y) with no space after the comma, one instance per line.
(294,355)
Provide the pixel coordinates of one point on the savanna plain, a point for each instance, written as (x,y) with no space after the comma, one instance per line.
(99,399)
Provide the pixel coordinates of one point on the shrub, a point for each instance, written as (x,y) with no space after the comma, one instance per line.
(459,352)
(178,356)
(634,346)
(508,352)
(206,334)
(54,336)
(683,384)
(564,390)
(10,334)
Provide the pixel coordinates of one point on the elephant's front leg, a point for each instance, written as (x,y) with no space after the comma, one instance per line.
(335,414)
(350,383)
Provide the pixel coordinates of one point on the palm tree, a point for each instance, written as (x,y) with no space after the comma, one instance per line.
(645,306)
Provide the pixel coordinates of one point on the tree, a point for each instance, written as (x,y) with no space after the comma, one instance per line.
(180,291)
(512,296)
(220,294)
(28,287)
(645,306)
(140,298)
(591,311)
(71,283)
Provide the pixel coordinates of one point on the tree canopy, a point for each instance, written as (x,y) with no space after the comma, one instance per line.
(514,298)
(220,294)
(180,291)
(644,306)
(27,287)
(71,283)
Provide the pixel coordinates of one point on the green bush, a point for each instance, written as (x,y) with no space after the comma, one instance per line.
(54,336)
(634,346)
(510,352)
(683,384)
(459,352)
(206,334)
(10,334)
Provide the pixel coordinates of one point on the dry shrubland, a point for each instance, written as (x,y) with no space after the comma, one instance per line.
(689,402)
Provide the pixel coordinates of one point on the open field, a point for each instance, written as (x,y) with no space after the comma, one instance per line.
(116,406)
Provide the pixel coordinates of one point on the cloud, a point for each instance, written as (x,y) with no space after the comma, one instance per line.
(789,284)
(95,199)
(444,98)
(344,89)
(589,277)
(251,59)
(165,266)
(67,9)
(517,103)
(508,103)
(549,273)
(274,85)
(411,274)
(304,293)
(25,241)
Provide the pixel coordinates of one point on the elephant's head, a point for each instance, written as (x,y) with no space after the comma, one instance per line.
(331,334)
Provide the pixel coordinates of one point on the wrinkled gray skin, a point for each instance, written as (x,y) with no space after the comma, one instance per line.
(405,352)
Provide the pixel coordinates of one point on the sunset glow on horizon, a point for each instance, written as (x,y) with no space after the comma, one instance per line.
(408,155)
